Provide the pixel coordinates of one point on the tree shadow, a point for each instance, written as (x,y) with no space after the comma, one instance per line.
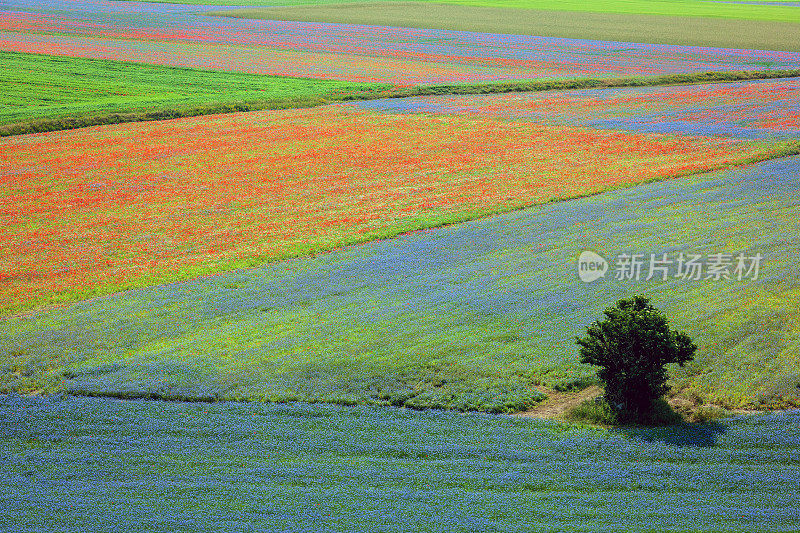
(701,435)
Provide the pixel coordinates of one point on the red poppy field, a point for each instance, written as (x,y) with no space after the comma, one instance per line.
(82,215)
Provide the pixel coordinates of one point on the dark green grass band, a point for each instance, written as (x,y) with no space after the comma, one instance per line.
(41,92)
(592,83)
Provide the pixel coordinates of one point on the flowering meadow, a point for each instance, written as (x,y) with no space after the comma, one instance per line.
(467,316)
(94,211)
(181,36)
(340,296)
(750,110)
(171,466)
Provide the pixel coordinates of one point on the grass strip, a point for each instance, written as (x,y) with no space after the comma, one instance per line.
(592,83)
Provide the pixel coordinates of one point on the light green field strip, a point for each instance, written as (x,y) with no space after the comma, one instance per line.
(675,8)
(760,34)
(679,8)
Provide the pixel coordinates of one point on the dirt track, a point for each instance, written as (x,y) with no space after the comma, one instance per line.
(557,403)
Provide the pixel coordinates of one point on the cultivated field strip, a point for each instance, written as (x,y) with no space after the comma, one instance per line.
(98,210)
(285,468)
(741,25)
(401,56)
(43,92)
(467,316)
(758,109)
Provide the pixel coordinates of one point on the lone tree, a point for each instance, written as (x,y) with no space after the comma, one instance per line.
(632,345)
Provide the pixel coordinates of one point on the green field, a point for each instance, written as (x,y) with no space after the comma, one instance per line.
(82,464)
(781,33)
(43,92)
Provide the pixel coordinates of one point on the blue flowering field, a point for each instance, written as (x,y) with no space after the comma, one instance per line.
(87,464)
